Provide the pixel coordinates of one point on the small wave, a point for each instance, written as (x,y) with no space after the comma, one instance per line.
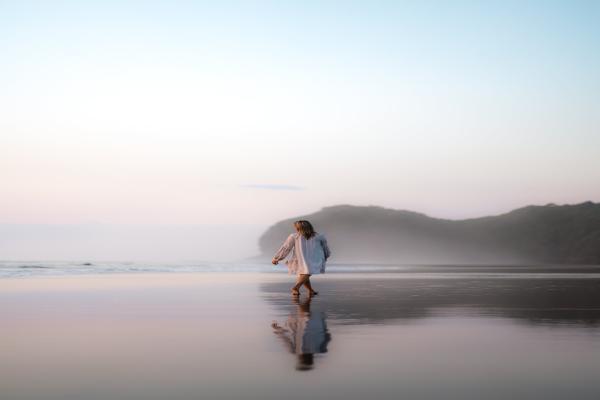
(22,269)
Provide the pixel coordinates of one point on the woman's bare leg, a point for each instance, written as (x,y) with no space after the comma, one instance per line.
(308,286)
(299,282)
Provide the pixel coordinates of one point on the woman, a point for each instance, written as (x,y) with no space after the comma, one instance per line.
(309,255)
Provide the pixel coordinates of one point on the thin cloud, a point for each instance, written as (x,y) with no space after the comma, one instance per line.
(267,186)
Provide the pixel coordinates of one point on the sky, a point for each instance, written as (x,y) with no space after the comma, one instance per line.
(244,113)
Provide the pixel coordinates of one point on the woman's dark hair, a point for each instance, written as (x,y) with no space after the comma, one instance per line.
(305,228)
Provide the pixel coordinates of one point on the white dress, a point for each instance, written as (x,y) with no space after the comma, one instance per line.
(308,255)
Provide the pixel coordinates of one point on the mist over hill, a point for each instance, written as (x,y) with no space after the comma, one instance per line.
(556,234)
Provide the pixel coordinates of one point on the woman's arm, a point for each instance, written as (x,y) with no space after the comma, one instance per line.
(284,250)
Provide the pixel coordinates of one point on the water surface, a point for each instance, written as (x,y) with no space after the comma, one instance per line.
(415,334)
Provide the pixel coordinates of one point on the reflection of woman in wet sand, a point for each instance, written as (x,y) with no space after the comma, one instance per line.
(305,333)
(309,255)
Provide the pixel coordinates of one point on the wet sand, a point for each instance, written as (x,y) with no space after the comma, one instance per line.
(240,335)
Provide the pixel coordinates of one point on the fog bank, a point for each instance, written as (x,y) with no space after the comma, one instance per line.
(104,242)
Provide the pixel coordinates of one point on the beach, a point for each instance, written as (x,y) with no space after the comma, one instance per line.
(464,334)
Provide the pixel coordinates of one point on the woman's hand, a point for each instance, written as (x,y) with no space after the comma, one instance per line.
(274,261)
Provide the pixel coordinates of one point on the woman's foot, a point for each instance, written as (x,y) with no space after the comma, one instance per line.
(313,293)
(295,292)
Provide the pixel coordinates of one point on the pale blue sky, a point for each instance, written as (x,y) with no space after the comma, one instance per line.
(188,112)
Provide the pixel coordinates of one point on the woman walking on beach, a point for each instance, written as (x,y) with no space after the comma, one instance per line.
(309,255)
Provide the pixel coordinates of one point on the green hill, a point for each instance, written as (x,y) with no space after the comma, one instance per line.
(534,234)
